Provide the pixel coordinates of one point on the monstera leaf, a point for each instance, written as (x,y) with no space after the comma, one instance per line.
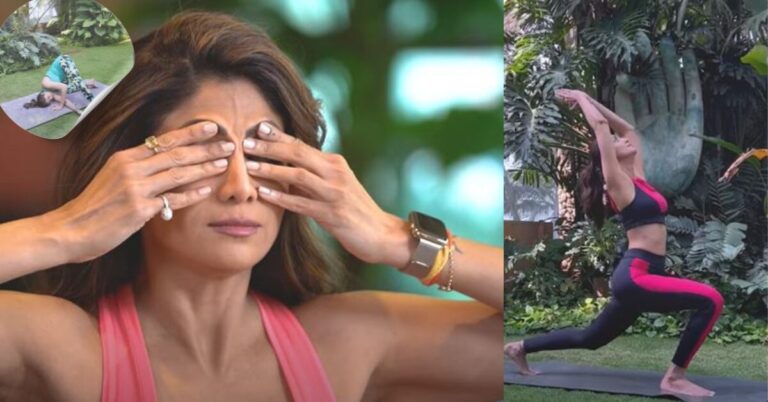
(668,116)
(528,130)
(614,38)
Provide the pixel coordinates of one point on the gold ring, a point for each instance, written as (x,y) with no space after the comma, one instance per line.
(151,143)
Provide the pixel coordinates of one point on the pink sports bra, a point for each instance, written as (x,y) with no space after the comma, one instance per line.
(127,374)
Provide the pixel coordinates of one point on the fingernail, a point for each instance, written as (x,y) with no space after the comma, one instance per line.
(265,190)
(265,129)
(253,165)
(249,143)
(228,146)
(204,191)
(220,162)
(210,128)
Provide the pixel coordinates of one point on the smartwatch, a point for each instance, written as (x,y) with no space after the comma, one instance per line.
(430,236)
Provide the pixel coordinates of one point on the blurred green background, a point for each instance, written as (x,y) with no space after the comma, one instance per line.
(412,93)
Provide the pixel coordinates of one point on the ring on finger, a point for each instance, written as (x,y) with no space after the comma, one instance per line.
(152,143)
(166,212)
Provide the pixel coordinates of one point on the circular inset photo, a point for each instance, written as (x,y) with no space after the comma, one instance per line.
(56,58)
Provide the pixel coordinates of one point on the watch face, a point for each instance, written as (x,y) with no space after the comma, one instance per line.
(431,226)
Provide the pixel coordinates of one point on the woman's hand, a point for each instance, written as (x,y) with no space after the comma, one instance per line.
(323,187)
(570,97)
(126,192)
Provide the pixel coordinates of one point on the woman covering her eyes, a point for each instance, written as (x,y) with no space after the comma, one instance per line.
(186,266)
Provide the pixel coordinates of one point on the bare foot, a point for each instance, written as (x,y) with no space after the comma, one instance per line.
(90,83)
(674,384)
(515,352)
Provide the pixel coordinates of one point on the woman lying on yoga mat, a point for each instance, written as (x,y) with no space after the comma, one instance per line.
(192,272)
(639,282)
(61,79)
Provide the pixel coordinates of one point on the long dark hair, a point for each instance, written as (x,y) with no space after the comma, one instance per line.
(591,191)
(38,101)
(170,62)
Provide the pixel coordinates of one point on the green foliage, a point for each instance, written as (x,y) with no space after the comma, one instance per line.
(94,25)
(716,245)
(21,51)
(543,281)
(594,251)
(523,319)
(757,58)
(615,38)
(526,318)
(528,128)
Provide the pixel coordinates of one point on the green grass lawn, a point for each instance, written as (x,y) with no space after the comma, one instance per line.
(106,64)
(638,352)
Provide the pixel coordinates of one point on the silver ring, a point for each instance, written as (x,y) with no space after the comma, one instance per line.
(166,212)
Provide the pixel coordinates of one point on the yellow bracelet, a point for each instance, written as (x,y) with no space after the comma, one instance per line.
(437,267)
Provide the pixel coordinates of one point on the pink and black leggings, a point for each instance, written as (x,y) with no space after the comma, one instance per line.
(639,284)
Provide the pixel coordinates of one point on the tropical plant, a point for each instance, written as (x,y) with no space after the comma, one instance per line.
(25,50)
(94,25)
(621,37)
(593,250)
(543,282)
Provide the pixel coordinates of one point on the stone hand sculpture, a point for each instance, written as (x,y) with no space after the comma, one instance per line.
(666,109)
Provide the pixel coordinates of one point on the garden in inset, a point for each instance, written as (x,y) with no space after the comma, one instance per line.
(56,57)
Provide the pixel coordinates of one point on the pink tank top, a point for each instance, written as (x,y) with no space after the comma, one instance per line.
(127,374)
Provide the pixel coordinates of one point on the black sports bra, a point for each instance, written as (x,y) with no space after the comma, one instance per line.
(648,206)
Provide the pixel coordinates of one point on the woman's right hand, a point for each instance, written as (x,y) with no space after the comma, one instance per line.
(126,192)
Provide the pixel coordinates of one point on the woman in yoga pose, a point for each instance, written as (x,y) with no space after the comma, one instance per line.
(192,272)
(62,78)
(639,282)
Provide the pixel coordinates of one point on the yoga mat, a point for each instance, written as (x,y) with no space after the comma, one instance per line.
(555,374)
(33,117)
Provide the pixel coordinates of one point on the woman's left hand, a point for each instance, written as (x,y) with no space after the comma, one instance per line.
(569,96)
(323,187)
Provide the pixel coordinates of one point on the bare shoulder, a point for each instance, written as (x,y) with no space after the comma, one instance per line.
(40,313)
(52,341)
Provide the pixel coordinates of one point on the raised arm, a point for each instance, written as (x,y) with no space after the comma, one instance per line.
(617,182)
(623,129)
